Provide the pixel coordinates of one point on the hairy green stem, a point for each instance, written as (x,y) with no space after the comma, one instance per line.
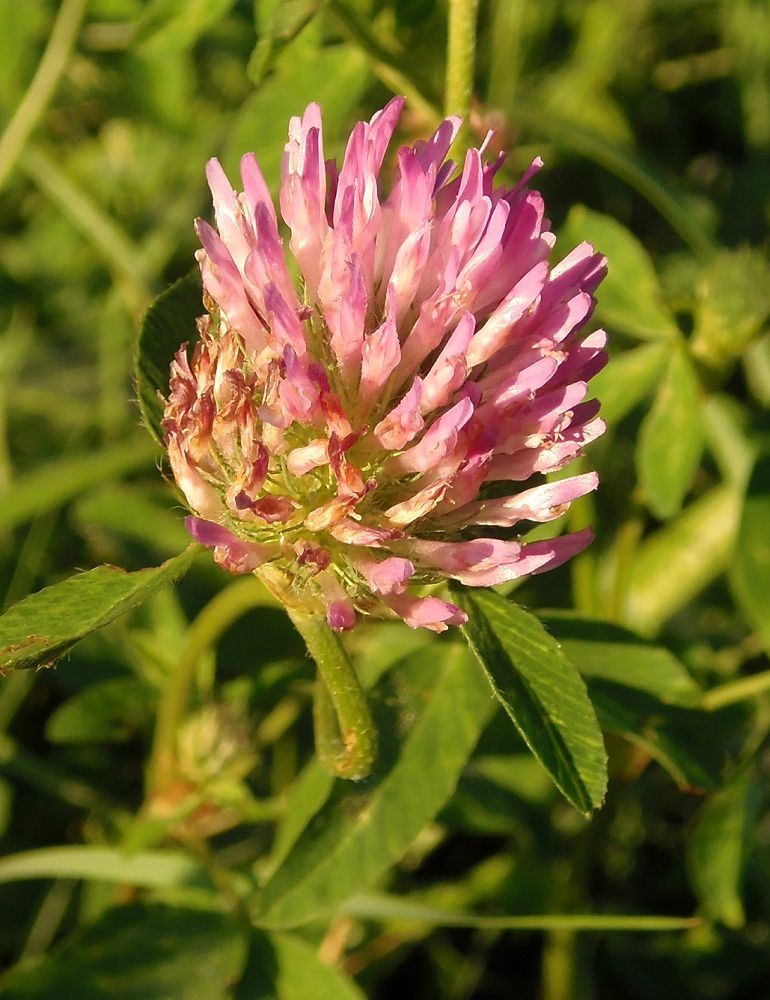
(461,53)
(217,616)
(346,741)
(43,85)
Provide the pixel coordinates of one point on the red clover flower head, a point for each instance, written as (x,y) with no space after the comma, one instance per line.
(359,412)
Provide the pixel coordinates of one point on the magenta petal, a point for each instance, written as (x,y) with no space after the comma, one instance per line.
(352,392)
(426,612)
(387,576)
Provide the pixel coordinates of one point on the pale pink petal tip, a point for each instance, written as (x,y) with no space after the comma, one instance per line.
(402,369)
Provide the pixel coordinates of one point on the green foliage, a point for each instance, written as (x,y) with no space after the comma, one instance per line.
(750,570)
(183,953)
(718,847)
(162,859)
(41,628)
(542,693)
(358,832)
(631,299)
(170,321)
(671,438)
(283,966)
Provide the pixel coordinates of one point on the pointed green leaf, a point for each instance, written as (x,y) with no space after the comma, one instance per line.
(750,569)
(542,692)
(671,438)
(41,628)
(168,323)
(110,711)
(381,906)
(628,378)
(630,297)
(146,869)
(718,848)
(431,712)
(679,560)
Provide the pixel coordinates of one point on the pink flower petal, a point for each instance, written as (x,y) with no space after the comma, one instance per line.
(426,612)
(386,576)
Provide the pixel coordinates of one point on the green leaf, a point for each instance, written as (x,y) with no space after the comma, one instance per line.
(64,478)
(732,306)
(679,560)
(380,906)
(605,650)
(688,743)
(282,967)
(335,77)
(148,869)
(750,567)
(630,297)
(106,712)
(430,713)
(671,438)
(375,647)
(717,850)
(168,323)
(41,628)
(627,379)
(542,693)
(170,26)
(139,953)
(279,23)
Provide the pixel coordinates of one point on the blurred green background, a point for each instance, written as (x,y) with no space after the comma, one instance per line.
(653,118)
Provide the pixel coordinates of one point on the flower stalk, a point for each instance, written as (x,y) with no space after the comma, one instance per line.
(461,56)
(346,740)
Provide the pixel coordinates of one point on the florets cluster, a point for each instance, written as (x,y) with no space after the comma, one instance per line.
(355,412)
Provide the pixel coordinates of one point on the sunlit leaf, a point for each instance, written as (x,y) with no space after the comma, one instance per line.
(169,26)
(542,692)
(679,560)
(671,438)
(279,23)
(334,76)
(146,869)
(750,567)
(169,323)
(732,306)
(627,380)
(42,627)
(109,711)
(630,298)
